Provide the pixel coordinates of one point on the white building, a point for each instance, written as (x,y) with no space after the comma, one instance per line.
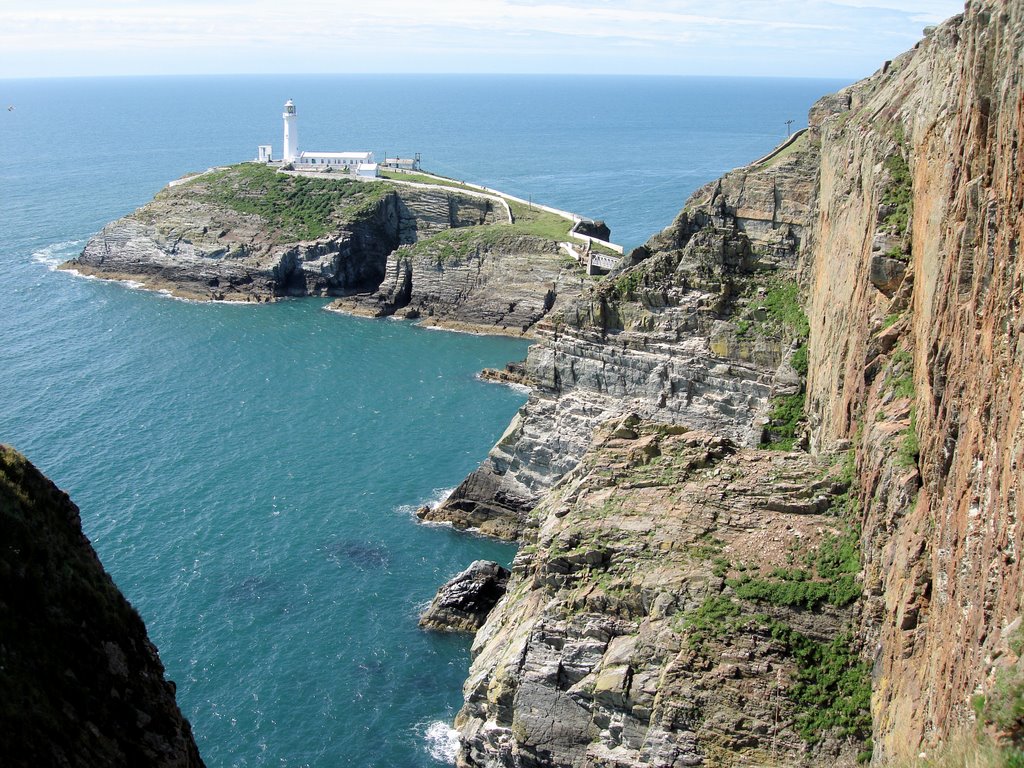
(291,132)
(335,159)
(358,163)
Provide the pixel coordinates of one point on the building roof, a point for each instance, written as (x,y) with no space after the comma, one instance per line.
(339,155)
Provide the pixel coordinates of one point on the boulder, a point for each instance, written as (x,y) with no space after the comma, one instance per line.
(596,229)
(463,603)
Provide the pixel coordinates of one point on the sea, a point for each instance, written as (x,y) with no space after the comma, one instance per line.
(249,474)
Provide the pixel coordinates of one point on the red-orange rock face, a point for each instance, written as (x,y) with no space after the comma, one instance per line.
(942,355)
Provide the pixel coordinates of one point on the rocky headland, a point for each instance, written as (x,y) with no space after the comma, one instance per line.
(449,257)
(768,481)
(767,484)
(82,685)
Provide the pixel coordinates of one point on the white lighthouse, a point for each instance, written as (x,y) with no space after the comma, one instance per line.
(291,132)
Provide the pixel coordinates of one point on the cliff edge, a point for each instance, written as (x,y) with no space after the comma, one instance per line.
(82,684)
(441,254)
(768,481)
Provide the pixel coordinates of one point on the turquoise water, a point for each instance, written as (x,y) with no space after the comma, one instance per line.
(248,474)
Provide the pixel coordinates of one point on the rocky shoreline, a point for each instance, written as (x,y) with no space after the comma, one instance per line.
(767,482)
(682,595)
(430,253)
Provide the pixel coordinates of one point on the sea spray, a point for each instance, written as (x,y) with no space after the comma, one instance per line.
(442,742)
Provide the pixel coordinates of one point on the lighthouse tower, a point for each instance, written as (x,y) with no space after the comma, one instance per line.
(291,132)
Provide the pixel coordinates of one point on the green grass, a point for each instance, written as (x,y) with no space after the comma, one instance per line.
(799,360)
(422,178)
(899,191)
(782,303)
(832,687)
(1003,706)
(528,219)
(297,207)
(890,320)
(832,690)
(534,221)
(627,285)
(798,144)
(897,253)
(713,619)
(828,575)
(784,419)
(909,452)
(902,374)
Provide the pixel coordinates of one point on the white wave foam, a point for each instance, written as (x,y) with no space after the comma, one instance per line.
(442,742)
(434,501)
(516,387)
(55,254)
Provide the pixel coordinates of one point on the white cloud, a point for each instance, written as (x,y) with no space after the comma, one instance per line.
(679,34)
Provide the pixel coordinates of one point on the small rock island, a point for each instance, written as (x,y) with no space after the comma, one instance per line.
(385,241)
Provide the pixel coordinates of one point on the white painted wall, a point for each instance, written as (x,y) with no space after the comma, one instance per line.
(291,132)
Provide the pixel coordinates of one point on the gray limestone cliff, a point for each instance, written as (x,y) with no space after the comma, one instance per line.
(444,255)
(695,332)
(853,302)
(81,683)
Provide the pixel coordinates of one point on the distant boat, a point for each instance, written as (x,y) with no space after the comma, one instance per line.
(10,108)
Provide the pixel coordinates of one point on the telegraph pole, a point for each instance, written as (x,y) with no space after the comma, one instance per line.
(789,128)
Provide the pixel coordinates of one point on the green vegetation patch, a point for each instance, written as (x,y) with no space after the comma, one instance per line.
(782,303)
(827,574)
(797,145)
(784,419)
(909,452)
(1002,707)
(898,193)
(298,207)
(799,360)
(627,285)
(422,178)
(831,691)
(529,220)
(714,619)
(534,221)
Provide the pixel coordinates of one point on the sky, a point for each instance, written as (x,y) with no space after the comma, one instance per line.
(784,38)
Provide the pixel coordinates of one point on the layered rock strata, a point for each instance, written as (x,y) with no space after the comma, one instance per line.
(925,375)
(82,684)
(631,635)
(900,214)
(488,280)
(248,233)
(678,337)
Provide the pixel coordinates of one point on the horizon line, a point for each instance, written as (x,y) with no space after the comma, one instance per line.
(8,78)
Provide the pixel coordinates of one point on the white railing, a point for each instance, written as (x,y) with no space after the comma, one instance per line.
(505,196)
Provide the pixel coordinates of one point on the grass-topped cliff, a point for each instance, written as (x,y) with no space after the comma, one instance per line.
(292,208)
(252,233)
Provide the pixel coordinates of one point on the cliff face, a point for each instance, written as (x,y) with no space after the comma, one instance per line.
(485,279)
(436,253)
(82,684)
(694,332)
(619,644)
(926,378)
(246,232)
(642,626)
